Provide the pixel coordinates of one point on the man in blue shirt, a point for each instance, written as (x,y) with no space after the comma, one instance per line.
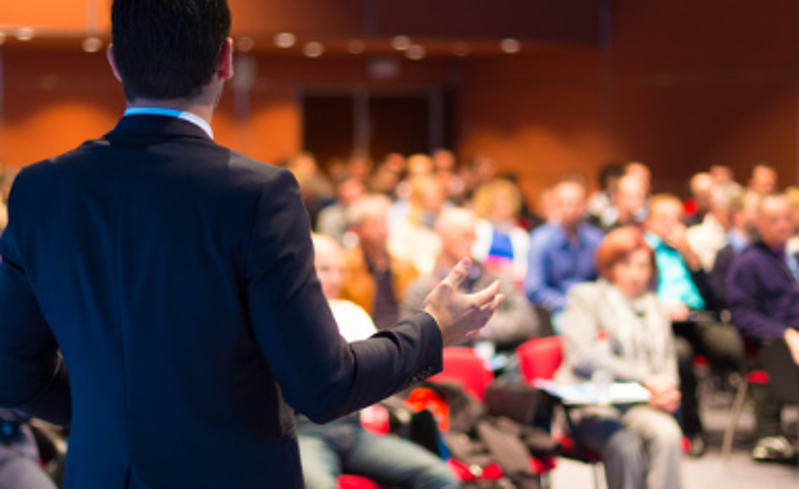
(686,293)
(562,251)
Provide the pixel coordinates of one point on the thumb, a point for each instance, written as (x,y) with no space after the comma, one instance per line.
(458,274)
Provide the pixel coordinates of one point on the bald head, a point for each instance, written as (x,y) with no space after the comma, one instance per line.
(774,220)
(630,197)
(328,263)
(702,190)
(456,228)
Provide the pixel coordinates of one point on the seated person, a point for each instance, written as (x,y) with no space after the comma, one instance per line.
(332,220)
(640,445)
(744,209)
(689,300)
(412,238)
(764,302)
(629,205)
(329,450)
(372,278)
(501,245)
(514,321)
(562,251)
(19,456)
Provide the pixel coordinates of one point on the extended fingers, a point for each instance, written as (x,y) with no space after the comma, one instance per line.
(457,275)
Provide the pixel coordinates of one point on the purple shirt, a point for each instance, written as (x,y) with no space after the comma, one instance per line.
(762,293)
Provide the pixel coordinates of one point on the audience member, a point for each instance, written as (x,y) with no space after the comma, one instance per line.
(446,168)
(344,445)
(764,179)
(501,245)
(701,187)
(562,251)
(685,290)
(641,445)
(413,237)
(359,167)
(724,181)
(602,200)
(388,175)
(764,302)
(711,235)
(741,235)
(332,220)
(19,455)
(640,170)
(629,205)
(514,321)
(372,278)
(6,179)
(792,248)
(317,190)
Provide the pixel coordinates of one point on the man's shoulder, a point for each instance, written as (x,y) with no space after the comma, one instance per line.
(592,233)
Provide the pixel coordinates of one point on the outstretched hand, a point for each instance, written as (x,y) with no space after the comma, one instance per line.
(461,315)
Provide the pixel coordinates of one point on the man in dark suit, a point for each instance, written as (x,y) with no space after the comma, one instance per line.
(177,279)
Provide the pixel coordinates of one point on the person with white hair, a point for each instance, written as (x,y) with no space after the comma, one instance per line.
(514,321)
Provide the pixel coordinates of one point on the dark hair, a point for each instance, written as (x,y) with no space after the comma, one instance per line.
(168,49)
(608,171)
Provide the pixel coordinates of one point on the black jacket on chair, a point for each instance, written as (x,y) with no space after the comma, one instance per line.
(176,278)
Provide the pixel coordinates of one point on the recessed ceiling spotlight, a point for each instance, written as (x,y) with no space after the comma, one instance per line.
(245,44)
(92,44)
(356,46)
(416,52)
(25,34)
(460,49)
(401,43)
(510,46)
(314,49)
(285,40)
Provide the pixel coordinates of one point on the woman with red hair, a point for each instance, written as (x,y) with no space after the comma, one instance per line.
(640,444)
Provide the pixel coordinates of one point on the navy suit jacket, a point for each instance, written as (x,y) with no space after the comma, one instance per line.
(176,278)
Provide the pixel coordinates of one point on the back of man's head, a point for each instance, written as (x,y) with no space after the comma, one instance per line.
(168,49)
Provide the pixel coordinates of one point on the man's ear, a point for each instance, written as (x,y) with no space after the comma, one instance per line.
(225,68)
(109,52)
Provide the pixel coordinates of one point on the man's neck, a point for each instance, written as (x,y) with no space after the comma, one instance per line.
(201,110)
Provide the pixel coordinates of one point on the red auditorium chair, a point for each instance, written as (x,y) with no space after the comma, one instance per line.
(539,359)
(464,366)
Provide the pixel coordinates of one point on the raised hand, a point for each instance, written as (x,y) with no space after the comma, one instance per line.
(460,315)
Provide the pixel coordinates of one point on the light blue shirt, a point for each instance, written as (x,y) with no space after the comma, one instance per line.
(178,114)
(674,280)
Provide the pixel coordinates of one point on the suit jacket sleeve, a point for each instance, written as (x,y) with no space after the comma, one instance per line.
(33,378)
(320,374)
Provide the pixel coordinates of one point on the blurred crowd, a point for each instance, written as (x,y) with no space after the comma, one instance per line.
(669,281)
(674,281)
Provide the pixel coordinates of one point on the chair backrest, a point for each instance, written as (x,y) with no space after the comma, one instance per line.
(464,366)
(540,358)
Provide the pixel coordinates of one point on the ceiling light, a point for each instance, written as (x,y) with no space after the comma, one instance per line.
(314,49)
(245,44)
(401,43)
(92,44)
(25,34)
(285,40)
(510,46)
